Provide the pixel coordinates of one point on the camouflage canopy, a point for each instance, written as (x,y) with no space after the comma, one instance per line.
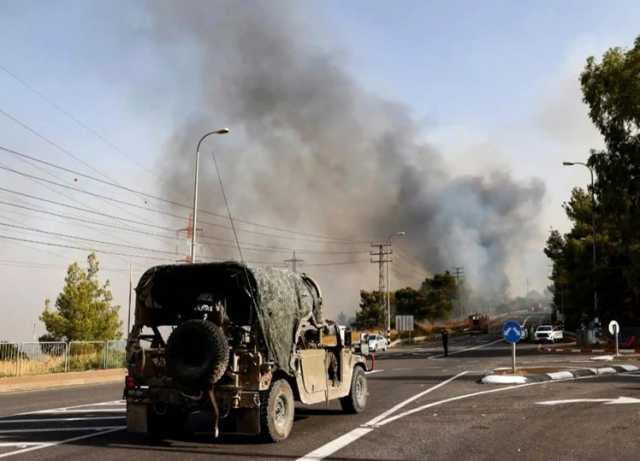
(278,300)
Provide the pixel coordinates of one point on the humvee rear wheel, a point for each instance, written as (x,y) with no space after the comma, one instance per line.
(277,411)
(356,401)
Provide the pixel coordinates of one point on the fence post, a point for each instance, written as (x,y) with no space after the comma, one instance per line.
(104,352)
(66,357)
(19,359)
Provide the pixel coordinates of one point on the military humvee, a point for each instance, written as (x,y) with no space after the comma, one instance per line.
(236,347)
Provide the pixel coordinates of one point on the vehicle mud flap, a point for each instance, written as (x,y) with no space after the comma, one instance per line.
(216,413)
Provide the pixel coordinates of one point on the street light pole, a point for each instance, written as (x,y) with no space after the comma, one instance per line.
(388,316)
(593,232)
(194,223)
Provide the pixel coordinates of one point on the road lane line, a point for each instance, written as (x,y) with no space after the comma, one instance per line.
(60,442)
(330,448)
(337,444)
(19,444)
(57,429)
(406,402)
(77,411)
(46,420)
(96,404)
(433,404)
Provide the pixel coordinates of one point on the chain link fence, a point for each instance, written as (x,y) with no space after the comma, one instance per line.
(31,358)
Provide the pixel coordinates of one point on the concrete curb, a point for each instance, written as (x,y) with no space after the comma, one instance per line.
(586,350)
(558,375)
(61,380)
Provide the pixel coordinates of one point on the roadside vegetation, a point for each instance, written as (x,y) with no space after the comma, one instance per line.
(611,90)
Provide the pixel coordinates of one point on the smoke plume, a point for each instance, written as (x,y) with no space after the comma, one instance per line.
(312,150)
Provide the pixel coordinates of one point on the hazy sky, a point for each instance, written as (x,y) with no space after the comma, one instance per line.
(493,86)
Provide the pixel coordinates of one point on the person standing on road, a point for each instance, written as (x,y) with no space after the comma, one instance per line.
(445,341)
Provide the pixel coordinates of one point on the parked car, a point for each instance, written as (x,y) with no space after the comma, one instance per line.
(548,333)
(377,343)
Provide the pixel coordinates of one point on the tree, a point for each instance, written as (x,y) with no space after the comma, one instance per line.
(371,313)
(439,292)
(83,310)
(611,89)
(410,301)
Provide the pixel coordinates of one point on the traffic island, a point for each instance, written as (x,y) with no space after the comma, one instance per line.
(532,375)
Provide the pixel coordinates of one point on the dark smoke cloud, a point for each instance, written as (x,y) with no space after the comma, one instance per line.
(314,151)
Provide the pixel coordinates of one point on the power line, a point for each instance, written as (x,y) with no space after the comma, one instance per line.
(73,247)
(248,246)
(76,120)
(115,244)
(141,207)
(330,239)
(76,237)
(52,143)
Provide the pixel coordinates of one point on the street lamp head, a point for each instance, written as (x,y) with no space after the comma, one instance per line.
(222,131)
(568,163)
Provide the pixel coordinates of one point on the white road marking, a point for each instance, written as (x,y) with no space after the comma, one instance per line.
(84,405)
(58,429)
(76,411)
(416,410)
(337,444)
(406,402)
(46,420)
(19,444)
(618,401)
(60,442)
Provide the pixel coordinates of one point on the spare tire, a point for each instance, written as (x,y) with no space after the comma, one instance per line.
(197,353)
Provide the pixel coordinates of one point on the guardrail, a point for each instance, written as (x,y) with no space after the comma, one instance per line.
(31,358)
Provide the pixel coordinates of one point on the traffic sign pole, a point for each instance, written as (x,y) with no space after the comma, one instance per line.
(614,329)
(512,333)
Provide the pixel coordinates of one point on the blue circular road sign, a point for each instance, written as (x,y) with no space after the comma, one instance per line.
(512,331)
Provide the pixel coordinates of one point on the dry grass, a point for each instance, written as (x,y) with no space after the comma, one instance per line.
(55,364)
(32,367)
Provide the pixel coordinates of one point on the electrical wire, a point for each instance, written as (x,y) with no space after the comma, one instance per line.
(321,238)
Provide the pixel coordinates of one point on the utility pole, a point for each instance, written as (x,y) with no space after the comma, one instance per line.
(458,273)
(130,292)
(382,253)
(294,261)
(188,232)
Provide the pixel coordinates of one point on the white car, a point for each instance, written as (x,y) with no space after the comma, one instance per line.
(377,343)
(548,333)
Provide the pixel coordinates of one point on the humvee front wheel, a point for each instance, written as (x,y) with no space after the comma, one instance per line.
(356,401)
(277,411)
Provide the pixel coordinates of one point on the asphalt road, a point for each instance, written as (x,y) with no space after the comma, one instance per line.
(421,406)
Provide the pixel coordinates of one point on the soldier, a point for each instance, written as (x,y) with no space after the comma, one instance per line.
(445,341)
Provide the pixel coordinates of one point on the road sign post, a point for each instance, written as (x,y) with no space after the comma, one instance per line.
(614,329)
(512,333)
(405,323)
